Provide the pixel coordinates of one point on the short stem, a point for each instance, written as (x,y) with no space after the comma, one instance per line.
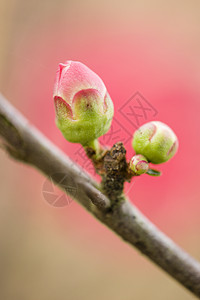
(95,145)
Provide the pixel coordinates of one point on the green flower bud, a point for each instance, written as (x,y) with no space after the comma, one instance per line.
(156,141)
(139,164)
(84,109)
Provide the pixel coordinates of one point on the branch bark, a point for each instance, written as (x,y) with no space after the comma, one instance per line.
(26,144)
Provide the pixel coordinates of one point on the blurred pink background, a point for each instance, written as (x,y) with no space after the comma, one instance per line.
(139,46)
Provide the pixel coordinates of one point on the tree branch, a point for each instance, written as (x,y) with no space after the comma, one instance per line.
(25,143)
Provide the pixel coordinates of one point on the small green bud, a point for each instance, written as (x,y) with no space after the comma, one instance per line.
(156,141)
(84,109)
(139,164)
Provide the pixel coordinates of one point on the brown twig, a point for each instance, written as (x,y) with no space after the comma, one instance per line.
(25,143)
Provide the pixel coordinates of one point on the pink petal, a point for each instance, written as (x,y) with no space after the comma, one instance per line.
(75,76)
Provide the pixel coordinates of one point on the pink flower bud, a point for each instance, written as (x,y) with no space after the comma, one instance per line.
(84,109)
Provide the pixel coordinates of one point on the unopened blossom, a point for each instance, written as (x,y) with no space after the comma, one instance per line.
(84,109)
(156,141)
(139,164)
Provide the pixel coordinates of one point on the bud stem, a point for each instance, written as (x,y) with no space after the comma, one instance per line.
(94,145)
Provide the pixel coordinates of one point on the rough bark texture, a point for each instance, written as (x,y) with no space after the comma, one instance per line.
(26,144)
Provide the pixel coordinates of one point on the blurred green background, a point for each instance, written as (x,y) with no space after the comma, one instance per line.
(149,46)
